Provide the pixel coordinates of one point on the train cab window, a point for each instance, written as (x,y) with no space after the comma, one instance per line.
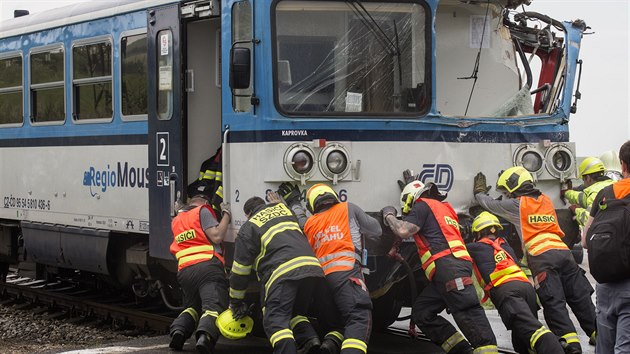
(133,72)
(11,109)
(165,75)
(242,35)
(92,81)
(47,86)
(351,58)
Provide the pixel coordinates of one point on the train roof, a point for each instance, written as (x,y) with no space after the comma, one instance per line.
(73,14)
(98,9)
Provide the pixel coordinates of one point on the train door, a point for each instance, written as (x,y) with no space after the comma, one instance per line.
(166,122)
(184,107)
(203,102)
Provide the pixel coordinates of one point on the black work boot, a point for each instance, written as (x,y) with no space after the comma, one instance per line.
(329,346)
(311,346)
(573,348)
(177,340)
(205,344)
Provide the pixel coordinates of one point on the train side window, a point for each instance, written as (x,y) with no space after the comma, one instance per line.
(242,35)
(165,75)
(133,76)
(92,80)
(11,108)
(47,85)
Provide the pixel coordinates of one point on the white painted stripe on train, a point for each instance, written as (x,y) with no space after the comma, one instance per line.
(115,350)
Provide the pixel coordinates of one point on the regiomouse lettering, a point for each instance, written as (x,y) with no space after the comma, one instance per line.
(185,236)
(539,219)
(270,213)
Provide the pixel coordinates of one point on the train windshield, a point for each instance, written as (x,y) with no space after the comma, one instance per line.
(351,58)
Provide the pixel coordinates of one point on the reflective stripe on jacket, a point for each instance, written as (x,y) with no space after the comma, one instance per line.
(539,225)
(585,199)
(272,244)
(505,269)
(190,243)
(449,225)
(328,233)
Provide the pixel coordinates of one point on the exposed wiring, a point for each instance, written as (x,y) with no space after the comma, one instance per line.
(477,60)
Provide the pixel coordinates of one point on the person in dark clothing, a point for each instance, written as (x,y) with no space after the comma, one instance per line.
(210,181)
(448,267)
(272,244)
(201,273)
(505,283)
(613,302)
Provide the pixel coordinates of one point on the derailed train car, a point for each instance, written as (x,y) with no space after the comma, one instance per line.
(108,109)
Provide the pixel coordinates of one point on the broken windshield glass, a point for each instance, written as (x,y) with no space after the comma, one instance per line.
(351,58)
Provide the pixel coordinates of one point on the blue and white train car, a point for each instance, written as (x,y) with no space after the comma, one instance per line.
(107,110)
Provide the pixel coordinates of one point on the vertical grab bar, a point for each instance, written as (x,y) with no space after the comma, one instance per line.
(225,165)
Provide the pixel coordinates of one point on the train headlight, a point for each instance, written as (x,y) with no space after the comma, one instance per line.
(560,161)
(334,162)
(532,161)
(529,157)
(337,162)
(299,161)
(302,162)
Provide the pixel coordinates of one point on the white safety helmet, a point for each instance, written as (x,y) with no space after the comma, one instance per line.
(410,194)
(612,165)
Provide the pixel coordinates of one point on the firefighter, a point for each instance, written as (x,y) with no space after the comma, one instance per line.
(201,273)
(592,172)
(272,243)
(448,267)
(210,181)
(557,278)
(337,231)
(509,289)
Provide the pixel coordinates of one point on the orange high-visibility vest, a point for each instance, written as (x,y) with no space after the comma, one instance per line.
(539,225)
(190,244)
(448,221)
(328,233)
(505,269)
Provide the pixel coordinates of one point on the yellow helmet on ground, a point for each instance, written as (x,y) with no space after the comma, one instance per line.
(412,191)
(513,178)
(590,165)
(485,219)
(234,329)
(319,193)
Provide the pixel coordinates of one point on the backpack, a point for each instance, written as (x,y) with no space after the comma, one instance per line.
(608,239)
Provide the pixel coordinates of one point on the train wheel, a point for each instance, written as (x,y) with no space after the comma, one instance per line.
(387,308)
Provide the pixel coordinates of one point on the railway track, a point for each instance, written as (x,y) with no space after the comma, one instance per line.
(421,337)
(67,299)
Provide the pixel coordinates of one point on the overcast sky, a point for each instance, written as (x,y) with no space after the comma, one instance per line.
(602,121)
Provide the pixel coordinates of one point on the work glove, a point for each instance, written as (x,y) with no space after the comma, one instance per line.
(290,193)
(225,209)
(408,177)
(240,309)
(479,185)
(386,211)
(572,208)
